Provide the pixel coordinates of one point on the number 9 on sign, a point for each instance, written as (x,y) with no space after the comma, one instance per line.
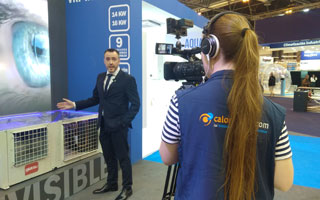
(119,42)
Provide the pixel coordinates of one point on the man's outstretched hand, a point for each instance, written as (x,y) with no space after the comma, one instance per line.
(66,104)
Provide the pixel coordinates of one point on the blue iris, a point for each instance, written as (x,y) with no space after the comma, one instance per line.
(30,45)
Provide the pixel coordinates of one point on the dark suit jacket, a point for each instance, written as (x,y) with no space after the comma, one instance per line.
(120,103)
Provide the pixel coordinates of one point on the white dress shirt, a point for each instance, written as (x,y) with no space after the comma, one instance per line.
(112,78)
(104,83)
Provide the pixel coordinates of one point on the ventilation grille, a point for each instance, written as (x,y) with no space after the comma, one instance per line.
(79,138)
(30,145)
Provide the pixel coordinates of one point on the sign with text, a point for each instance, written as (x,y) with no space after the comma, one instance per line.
(125,67)
(310,65)
(310,55)
(293,43)
(291,66)
(121,42)
(119,18)
(31,168)
(193,39)
(62,183)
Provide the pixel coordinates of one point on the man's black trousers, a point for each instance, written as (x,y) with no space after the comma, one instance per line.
(115,147)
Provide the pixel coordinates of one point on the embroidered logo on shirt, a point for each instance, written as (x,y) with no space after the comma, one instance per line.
(223,121)
(206,118)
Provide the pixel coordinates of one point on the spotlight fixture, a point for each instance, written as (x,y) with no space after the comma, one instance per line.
(199,12)
(288,12)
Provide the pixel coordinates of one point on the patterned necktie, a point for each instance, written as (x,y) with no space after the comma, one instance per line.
(107,83)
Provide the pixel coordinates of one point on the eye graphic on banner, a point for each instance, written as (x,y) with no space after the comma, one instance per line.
(121,42)
(24,57)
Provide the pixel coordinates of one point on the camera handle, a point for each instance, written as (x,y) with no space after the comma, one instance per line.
(178,44)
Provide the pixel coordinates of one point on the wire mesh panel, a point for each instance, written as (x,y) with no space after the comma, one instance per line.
(30,145)
(80,137)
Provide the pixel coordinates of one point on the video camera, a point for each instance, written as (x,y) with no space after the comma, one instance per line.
(192,71)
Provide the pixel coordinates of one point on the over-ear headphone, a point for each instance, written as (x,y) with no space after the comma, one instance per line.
(210,44)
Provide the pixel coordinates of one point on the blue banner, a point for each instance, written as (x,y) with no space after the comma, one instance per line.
(293,43)
(92,27)
(310,55)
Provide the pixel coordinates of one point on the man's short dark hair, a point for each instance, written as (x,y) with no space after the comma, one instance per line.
(111,50)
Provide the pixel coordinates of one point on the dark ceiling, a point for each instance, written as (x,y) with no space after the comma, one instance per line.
(253,10)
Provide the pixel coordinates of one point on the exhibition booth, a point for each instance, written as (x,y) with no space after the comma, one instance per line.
(55,154)
(290,45)
(63,49)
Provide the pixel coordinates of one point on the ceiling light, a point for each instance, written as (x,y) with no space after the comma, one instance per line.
(306,10)
(245,1)
(288,12)
(150,23)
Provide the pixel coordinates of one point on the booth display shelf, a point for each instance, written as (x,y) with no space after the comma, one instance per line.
(35,143)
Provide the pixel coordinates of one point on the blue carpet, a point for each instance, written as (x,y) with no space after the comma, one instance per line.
(306,160)
(155,157)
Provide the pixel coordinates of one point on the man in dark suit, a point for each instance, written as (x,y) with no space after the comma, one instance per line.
(118,99)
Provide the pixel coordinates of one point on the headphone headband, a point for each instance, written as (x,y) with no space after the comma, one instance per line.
(217,16)
(210,43)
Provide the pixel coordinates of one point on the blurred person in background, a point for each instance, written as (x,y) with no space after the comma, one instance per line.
(271,83)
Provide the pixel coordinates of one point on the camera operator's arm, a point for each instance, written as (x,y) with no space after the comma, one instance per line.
(171,134)
(169,153)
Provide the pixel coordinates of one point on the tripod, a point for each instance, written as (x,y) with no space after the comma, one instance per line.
(168,194)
